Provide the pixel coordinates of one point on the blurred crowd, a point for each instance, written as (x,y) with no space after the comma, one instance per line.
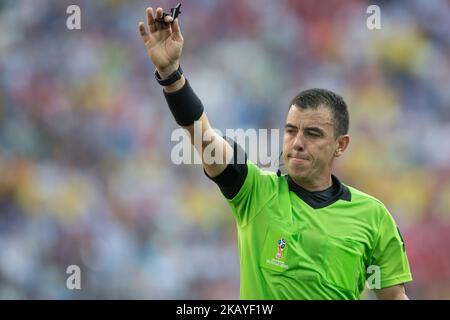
(85,136)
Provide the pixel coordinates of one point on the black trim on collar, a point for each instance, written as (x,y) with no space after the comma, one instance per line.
(338,192)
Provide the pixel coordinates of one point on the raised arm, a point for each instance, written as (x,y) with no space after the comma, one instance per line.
(164,44)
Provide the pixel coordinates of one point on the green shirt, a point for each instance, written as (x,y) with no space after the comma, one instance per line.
(289,250)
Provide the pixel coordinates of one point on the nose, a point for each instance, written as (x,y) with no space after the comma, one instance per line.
(298,142)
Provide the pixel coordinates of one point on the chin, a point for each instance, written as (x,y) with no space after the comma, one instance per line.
(297,173)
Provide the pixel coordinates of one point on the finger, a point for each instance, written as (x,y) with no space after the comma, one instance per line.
(176,30)
(159,24)
(159,13)
(162,24)
(150,20)
(168,19)
(143,32)
(160,21)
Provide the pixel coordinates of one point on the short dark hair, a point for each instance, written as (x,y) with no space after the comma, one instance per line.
(313,98)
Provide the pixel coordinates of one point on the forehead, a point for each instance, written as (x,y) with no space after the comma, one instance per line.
(320,116)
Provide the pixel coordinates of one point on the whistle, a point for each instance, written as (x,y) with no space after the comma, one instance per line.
(174,12)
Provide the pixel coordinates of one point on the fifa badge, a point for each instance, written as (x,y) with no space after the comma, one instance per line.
(281,245)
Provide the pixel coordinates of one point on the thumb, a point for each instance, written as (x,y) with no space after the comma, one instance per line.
(176,31)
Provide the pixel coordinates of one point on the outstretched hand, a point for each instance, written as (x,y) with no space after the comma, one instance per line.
(163,40)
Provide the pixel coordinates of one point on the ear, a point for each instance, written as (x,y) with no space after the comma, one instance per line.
(342,144)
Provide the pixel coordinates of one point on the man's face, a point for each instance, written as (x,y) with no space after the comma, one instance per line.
(309,144)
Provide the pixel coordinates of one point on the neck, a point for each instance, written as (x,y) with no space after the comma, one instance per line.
(314,185)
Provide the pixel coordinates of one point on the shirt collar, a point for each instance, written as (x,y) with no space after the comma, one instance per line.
(321,199)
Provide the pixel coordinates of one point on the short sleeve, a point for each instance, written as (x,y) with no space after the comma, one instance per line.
(259,187)
(389,253)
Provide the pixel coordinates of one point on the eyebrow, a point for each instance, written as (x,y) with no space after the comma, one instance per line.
(288,125)
(315,128)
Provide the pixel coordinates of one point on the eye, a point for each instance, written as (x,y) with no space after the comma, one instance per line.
(313,133)
(289,130)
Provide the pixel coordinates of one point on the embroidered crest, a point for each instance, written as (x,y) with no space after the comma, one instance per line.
(281,245)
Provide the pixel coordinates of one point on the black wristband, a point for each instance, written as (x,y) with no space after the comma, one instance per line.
(184,104)
(174,77)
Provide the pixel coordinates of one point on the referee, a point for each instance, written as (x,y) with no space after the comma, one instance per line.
(304,235)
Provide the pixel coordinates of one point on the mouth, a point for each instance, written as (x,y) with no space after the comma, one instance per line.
(297,159)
